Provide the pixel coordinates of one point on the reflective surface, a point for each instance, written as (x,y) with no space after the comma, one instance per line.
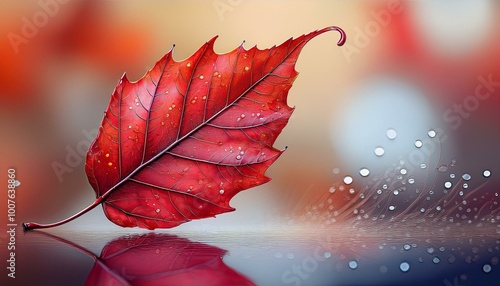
(341,255)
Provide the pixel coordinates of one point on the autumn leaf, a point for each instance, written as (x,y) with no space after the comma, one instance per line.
(157,259)
(180,142)
(162,259)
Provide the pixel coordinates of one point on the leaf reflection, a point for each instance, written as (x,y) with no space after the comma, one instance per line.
(158,259)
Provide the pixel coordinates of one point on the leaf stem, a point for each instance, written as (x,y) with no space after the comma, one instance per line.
(33,225)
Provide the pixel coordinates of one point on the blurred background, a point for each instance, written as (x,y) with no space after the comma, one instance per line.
(408,68)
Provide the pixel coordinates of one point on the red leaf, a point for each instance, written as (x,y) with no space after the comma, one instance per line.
(179,143)
(160,259)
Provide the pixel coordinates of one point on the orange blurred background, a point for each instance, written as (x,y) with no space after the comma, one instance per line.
(407,65)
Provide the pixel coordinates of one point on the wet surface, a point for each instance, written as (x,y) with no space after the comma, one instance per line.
(339,255)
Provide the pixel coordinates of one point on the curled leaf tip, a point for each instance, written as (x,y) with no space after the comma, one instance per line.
(342,35)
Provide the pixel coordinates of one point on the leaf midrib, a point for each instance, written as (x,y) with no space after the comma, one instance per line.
(203,124)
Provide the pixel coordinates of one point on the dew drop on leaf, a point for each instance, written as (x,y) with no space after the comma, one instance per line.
(486,173)
(448,185)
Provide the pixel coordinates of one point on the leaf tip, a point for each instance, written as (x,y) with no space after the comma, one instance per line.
(343,36)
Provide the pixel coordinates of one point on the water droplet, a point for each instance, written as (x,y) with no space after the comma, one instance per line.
(430,250)
(202,77)
(442,168)
(221,191)
(379,151)
(348,180)
(487,268)
(423,166)
(391,208)
(466,177)
(465,185)
(383,269)
(411,181)
(157,210)
(403,171)
(418,143)
(336,171)
(238,157)
(353,264)
(17,183)
(453,162)
(406,247)
(391,133)
(395,192)
(352,191)
(452,259)
(448,185)
(404,266)
(332,190)
(452,176)
(487,173)
(327,254)
(431,133)
(364,172)
(436,260)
